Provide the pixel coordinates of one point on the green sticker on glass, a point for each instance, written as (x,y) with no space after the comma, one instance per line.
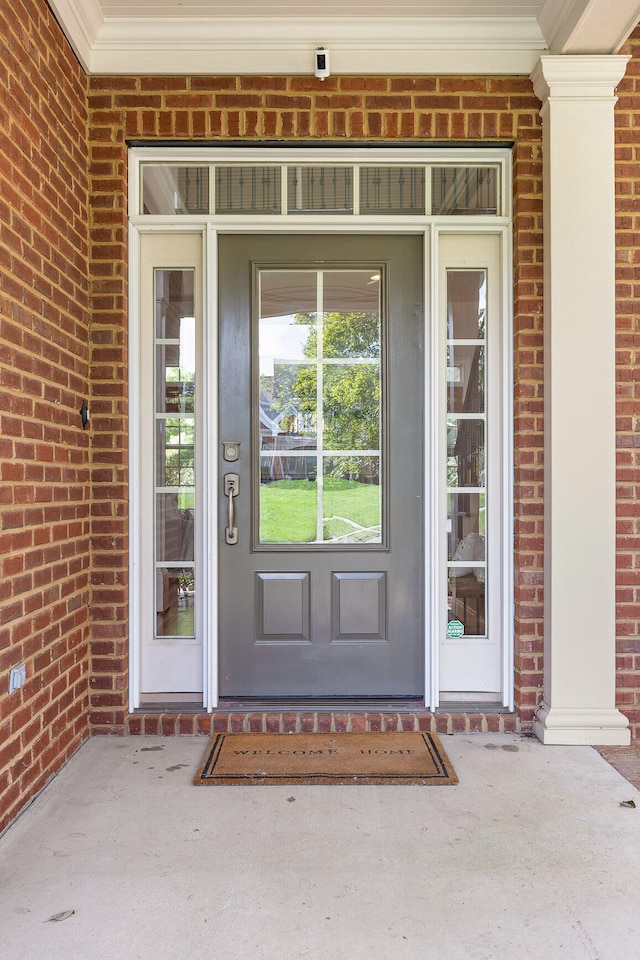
(455,629)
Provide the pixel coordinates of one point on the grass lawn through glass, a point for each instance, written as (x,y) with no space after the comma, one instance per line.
(289,509)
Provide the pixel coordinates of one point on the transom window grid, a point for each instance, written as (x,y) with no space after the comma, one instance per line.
(291,190)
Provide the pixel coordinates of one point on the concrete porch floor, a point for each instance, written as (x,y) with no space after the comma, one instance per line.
(531,855)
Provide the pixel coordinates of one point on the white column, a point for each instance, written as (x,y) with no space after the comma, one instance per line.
(577,94)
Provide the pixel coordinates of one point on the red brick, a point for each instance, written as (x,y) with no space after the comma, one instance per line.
(255,723)
(324,723)
(44,336)
(273,723)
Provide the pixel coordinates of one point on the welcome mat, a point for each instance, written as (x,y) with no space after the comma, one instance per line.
(338,758)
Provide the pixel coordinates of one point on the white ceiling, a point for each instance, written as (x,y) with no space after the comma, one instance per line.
(377,36)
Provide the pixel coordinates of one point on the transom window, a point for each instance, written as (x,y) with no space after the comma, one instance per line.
(436,189)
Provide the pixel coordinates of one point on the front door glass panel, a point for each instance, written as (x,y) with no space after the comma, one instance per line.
(318,407)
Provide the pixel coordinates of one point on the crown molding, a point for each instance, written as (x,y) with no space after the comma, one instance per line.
(371,44)
(81,22)
(285,45)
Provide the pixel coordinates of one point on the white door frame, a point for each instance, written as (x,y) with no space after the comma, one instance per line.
(209,228)
(500,602)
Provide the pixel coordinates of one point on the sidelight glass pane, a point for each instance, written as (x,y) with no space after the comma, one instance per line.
(175,526)
(319,349)
(178,467)
(175,460)
(175,597)
(467,603)
(466,304)
(175,300)
(465,378)
(465,453)
(466,514)
(466,441)
(175,371)
(174,451)
(467,565)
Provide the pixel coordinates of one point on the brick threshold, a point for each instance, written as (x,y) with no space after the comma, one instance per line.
(171,723)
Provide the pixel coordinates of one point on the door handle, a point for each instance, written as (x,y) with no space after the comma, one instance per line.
(231,490)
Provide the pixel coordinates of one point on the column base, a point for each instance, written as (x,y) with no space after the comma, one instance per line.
(576,727)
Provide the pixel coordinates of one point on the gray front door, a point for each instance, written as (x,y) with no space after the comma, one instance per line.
(321,582)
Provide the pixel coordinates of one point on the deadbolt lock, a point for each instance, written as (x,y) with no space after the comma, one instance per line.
(231,450)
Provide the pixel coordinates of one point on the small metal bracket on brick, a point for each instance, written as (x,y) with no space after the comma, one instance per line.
(17,677)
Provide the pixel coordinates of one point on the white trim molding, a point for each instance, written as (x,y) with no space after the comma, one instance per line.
(284,46)
(176,38)
(578,703)
(394,43)
(81,23)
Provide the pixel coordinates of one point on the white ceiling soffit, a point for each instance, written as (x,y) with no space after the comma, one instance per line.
(588,26)
(276,37)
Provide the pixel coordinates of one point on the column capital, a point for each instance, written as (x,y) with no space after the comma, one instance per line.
(578,77)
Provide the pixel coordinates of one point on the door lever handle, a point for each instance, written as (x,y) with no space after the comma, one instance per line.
(231,490)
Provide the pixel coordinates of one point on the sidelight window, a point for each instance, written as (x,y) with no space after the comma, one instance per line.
(466,447)
(174,452)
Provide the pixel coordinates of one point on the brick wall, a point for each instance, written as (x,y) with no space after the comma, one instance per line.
(109,653)
(44,353)
(289,109)
(628,386)
(63,514)
(528,489)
